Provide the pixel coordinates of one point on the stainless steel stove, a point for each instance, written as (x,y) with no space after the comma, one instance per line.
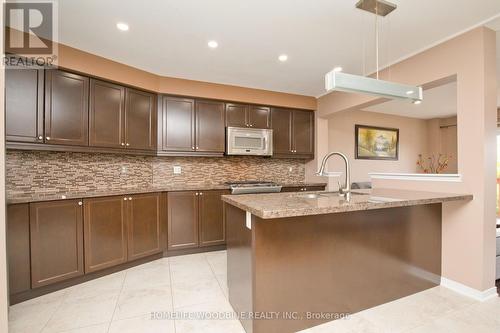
(253,186)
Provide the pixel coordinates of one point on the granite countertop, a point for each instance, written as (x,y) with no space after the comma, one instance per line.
(276,205)
(79,193)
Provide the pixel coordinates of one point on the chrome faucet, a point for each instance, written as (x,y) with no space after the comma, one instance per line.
(345,190)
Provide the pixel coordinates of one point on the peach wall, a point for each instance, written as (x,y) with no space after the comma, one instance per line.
(412,141)
(468,228)
(78,60)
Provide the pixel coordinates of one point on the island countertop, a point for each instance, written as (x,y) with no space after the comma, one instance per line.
(278,205)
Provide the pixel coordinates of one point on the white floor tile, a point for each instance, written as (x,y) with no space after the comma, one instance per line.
(142,324)
(135,302)
(147,277)
(192,292)
(86,312)
(212,317)
(100,328)
(105,287)
(33,315)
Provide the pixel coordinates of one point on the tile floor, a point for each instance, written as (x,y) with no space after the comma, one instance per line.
(123,302)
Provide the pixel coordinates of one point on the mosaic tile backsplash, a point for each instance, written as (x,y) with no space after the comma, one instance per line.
(37,172)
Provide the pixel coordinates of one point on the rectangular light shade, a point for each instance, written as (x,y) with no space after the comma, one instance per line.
(338,81)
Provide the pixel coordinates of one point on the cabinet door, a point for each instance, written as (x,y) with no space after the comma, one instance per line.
(210,134)
(282,131)
(144,225)
(236,115)
(182,220)
(24,105)
(178,124)
(211,214)
(107,113)
(140,120)
(105,233)
(66,108)
(259,116)
(303,132)
(56,241)
(18,247)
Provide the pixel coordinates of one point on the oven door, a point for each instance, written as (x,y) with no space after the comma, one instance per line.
(249,141)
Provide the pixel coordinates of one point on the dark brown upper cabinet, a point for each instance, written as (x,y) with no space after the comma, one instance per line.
(190,126)
(259,116)
(293,133)
(209,135)
(144,225)
(195,219)
(24,105)
(239,115)
(176,124)
(140,120)
(105,232)
(107,115)
(56,229)
(236,115)
(66,108)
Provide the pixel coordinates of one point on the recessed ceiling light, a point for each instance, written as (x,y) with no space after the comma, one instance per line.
(122,26)
(283,57)
(417,102)
(409,92)
(337,69)
(213,44)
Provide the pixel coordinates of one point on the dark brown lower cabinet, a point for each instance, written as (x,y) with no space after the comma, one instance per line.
(105,233)
(144,225)
(56,229)
(182,220)
(18,247)
(195,219)
(211,217)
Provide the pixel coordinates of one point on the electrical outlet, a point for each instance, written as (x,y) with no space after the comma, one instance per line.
(177,170)
(290,169)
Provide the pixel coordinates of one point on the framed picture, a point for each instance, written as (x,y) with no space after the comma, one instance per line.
(376,143)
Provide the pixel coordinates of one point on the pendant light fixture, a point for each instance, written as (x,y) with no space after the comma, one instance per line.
(338,81)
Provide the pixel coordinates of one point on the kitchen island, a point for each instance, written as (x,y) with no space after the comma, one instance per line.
(296,260)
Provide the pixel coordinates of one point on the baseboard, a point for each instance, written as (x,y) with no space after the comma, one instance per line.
(468,291)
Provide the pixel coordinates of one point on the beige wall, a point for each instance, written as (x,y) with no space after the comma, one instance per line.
(78,60)
(468,228)
(412,141)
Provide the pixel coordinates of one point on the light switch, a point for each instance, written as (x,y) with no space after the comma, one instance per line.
(177,170)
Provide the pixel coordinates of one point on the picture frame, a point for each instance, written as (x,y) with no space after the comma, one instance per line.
(376,143)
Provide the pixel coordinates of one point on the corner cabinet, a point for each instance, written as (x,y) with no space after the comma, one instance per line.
(191,127)
(293,133)
(195,219)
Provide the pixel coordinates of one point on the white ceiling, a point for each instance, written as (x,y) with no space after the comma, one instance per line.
(438,102)
(169,37)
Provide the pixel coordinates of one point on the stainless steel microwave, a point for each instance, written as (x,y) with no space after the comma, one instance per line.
(249,141)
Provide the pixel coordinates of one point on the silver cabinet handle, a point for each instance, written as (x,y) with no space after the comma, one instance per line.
(123,143)
(80,203)
(201,193)
(128,144)
(125,199)
(197,147)
(192,147)
(47,138)
(40,137)
(197,193)
(130,198)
